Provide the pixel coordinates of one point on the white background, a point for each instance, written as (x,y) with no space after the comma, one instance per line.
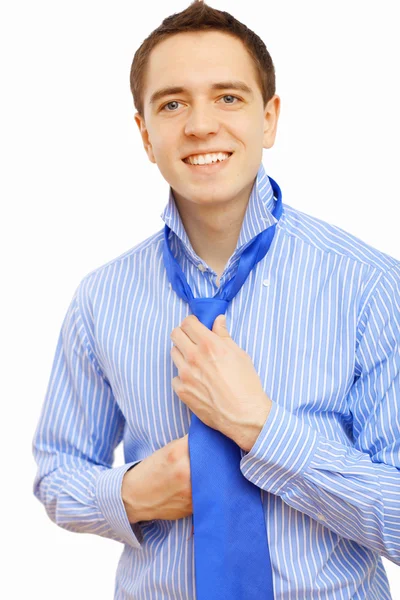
(74,197)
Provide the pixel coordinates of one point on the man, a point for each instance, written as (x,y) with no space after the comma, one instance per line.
(303,376)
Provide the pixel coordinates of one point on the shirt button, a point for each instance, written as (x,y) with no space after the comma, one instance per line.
(321,517)
(201,267)
(266,282)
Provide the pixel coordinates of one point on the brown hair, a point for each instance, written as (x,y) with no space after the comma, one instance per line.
(200,17)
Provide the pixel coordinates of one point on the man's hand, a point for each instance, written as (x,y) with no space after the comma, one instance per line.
(218,382)
(160,486)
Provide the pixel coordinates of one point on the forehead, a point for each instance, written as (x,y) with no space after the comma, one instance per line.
(193,59)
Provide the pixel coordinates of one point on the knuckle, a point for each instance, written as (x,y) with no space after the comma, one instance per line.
(205,345)
(172,455)
(185,375)
(171,459)
(181,476)
(185,395)
(192,358)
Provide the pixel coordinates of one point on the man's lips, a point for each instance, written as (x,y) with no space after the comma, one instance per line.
(208,169)
(185,160)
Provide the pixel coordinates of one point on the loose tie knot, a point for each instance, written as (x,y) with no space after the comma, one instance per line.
(208,309)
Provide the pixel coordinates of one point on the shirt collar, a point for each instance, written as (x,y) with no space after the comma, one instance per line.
(258,215)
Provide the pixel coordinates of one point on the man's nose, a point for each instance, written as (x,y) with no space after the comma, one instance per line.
(201,121)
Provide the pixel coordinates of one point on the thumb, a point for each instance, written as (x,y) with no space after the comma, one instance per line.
(219,326)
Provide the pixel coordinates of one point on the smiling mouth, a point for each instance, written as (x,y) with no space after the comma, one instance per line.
(209,164)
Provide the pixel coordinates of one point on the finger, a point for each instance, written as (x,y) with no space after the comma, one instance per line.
(195,329)
(181,341)
(177,357)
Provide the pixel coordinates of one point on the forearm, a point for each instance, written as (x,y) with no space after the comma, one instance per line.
(79,428)
(86,498)
(333,483)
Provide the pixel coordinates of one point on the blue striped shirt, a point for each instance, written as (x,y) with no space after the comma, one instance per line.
(320,317)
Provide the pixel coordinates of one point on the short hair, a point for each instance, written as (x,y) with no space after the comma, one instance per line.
(198,16)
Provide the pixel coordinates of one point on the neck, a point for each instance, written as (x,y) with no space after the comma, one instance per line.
(213,230)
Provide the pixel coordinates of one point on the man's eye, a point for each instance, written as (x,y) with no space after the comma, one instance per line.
(168,103)
(230,96)
(176,102)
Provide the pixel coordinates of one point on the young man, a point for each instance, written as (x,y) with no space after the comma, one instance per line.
(303,377)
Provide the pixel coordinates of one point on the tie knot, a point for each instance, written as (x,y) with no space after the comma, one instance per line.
(208,309)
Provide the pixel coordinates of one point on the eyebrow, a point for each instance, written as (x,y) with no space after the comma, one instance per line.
(220,85)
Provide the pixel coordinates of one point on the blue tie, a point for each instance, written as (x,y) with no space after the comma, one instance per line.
(232,559)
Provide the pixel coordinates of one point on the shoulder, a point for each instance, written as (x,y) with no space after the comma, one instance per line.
(330,238)
(129,263)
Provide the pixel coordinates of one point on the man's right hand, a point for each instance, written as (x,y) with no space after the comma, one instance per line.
(160,486)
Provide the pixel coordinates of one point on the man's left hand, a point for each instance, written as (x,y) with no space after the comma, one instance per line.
(217,380)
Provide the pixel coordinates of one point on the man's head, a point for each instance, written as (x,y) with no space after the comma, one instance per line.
(197,50)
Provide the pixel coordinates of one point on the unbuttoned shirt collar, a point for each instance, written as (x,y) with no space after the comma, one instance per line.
(258,217)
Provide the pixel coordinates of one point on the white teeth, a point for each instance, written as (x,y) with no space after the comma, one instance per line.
(206,159)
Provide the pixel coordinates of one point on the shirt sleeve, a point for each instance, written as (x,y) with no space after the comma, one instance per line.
(79,427)
(352,490)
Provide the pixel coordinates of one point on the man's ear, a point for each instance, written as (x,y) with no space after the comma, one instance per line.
(271,116)
(145,136)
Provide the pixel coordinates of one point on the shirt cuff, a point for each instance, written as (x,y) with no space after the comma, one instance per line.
(109,500)
(283,450)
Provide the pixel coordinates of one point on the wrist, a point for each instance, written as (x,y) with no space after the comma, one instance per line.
(249,433)
(130,496)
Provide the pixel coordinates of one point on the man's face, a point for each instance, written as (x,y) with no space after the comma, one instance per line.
(201,119)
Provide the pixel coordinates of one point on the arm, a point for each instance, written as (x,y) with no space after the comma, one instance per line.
(79,427)
(354,491)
